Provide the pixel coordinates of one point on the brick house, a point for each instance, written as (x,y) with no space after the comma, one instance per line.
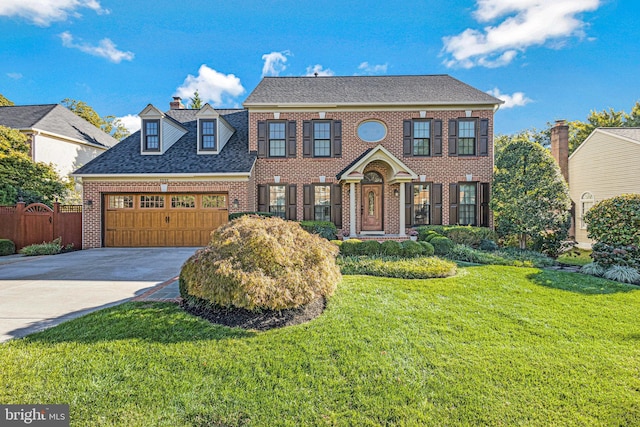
(374,155)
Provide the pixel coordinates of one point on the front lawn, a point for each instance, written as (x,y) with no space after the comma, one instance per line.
(491,346)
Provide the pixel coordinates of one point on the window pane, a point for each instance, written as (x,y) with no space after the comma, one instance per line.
(421,147)
(151,128)
(208,141)
(208,127)
(322,213)
(467,209)
(183,201)
(120,202)
(421,207)
(321,130)
(151,202)
(322,148)
(277,200)
(466,137)
(322,208)
(152,142)
(218,201)
(421,129)
(277,139)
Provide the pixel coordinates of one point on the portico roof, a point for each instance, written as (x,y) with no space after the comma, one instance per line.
(399,172)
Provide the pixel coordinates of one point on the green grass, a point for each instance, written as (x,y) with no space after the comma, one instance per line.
(491,346)
(575,257)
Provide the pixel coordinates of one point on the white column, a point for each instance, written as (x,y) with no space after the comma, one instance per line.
(402,213)
(352,209)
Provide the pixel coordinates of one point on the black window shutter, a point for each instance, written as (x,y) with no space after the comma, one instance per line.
(453,137)
(407,127)
(291,139)
(292,212)
(336,205)
(263,198)
(454,197)
(436,204)
(484,137)
(306,138)
(437,138)
(484,203)
(308,202)
(408,204)
(262,138)
(337,138)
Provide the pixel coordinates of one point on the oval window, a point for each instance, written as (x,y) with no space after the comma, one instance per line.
(372,131)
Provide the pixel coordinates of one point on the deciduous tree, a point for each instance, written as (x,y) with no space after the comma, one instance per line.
(23,179)
(108,124)
(530,196)
(4,102)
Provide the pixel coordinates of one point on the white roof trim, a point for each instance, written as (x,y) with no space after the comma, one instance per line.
(57,135)
(382,154)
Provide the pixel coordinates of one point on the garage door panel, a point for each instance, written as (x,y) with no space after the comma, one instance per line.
(138,220)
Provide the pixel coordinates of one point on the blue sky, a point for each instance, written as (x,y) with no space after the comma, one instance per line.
(549,59)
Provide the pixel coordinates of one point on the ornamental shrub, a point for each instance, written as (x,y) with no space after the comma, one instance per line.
(488,245)
(369,247)
(350,247)
(324,229)
(411,249)
(462,234)
(615,221)
(391,248)
(610,255)
(622,273)
(240,214)
(427,248)
(260,263)
(44,248)
(442,245)
(413,268)
(432,236)
(592,269)
(7,247)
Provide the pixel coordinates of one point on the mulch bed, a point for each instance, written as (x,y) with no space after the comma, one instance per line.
(258,320)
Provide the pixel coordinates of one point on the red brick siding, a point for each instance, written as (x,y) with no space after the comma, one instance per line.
(302,170)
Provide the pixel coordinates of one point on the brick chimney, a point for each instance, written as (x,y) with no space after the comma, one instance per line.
(176,104)
(560,146)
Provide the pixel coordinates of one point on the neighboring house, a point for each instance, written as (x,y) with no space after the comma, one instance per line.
(374,155)
(603,166)
(56,135)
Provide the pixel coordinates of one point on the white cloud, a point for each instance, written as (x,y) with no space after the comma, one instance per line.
(131,122)
(516,99)
(274,63)
(373,69)
(14,76)
(105,48)
(311,71)
(43,12)
(212,86)
(525,23)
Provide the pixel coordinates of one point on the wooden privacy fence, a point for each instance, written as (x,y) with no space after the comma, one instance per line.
(37,223)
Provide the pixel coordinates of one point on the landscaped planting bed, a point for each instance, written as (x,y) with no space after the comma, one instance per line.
(492,345)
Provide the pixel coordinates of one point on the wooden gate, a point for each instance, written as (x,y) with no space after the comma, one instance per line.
(37,223)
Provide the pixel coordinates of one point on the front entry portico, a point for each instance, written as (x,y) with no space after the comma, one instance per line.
(369,191)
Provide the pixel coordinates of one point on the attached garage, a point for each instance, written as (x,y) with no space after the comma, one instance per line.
(142,220)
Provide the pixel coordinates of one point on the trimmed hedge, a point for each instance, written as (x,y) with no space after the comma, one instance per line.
(462,234)
(7,247)
(442,245)
(427,248)
(369,247)
(324,229)
(411,249)
(260,263)
(615,221)
(350,247)
(412,268)
(391,248)
(241,214)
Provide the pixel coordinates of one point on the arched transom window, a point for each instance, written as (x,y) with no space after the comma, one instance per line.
(586,202)
(372,177)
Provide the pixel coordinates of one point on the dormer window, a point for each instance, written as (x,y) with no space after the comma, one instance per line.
(151,135)
(207,135)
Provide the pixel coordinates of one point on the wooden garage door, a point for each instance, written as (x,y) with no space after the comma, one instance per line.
(163,219)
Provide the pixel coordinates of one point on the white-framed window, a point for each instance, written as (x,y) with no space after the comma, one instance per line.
(278,200)
(586,202)
(322,203)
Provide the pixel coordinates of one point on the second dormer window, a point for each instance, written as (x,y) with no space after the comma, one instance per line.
(152,135)
(207,134)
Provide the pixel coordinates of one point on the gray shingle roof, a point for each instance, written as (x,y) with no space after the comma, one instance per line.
(428,89)
(181,157)
(54,118)
(631,133)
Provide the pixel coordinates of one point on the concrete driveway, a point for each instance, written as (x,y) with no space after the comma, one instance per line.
(40,292)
